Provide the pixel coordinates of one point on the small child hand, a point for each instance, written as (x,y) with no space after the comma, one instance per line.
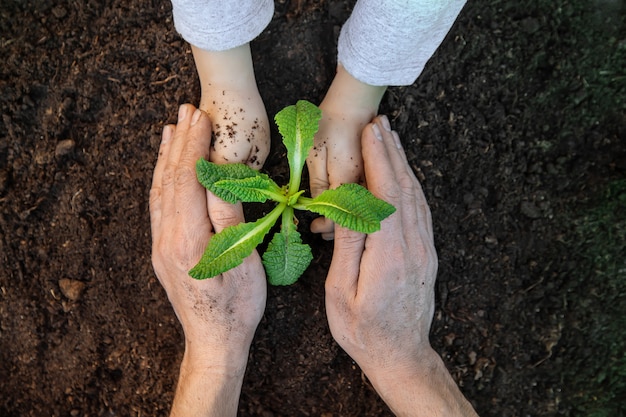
(240,127)
(231,98)
(336,158)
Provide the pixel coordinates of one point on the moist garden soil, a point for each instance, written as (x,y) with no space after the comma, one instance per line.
(515,128)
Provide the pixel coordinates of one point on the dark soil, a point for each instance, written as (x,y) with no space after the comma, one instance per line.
(506,130)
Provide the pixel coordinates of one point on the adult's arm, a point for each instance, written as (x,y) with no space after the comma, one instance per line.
(219,315)
(380,290)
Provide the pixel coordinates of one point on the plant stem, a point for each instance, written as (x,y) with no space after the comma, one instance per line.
(302,203)
(277,197)
(272,216)
(288,217)
(296,164)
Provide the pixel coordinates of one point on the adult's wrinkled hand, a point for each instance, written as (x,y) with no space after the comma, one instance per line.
(219,315)
(380,287)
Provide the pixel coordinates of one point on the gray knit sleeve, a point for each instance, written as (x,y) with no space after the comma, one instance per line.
(388,42)
(218,25)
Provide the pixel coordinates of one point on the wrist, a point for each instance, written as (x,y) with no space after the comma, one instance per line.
(421,386)
(216,358)
(348,95)
(206,389)
(232,69)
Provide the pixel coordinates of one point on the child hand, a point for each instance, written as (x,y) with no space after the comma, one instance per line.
(231,99)
(336,158)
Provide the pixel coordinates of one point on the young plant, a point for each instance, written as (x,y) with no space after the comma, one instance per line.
(286,257)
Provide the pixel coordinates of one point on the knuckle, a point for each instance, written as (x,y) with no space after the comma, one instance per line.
(169,173)
(318,186)
(224,215)
(155,195)
(389,191)
(425,256)
(184,175)
(336,297)
(407,187)
(351,242)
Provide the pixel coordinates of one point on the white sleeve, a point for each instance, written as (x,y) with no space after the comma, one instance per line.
(388,42)
(218,25)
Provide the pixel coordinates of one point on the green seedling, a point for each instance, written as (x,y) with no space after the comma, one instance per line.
(286,257)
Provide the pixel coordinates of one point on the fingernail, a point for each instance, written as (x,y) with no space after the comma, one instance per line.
(182,113)
(396,139)
(385,122)
(377,133)
(167,134)
(196,116)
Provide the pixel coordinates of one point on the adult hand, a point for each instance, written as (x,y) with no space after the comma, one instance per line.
(219,315)
(380,289)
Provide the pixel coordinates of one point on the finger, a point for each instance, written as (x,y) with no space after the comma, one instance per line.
(411,188)
(398,143)
(157,180)
(381,179)
(344,165)
(323,226)
(316,165)
(395,152)
(318,183)
(415,209)
(177,144)
(185,114)
(379,171)
(422,209)
(223,214)
(344,270)
(190,198)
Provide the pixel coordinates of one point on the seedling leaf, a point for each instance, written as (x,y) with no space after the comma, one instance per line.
(286,257)
(252,189)
(297,125)
(351,206)
(210,175)
(232,245)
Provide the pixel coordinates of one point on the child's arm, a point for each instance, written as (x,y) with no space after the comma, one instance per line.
(381,44)
(219,33)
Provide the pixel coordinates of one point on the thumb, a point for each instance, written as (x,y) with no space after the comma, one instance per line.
(223,214)
(318,174)
(318,183)
(345,266)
